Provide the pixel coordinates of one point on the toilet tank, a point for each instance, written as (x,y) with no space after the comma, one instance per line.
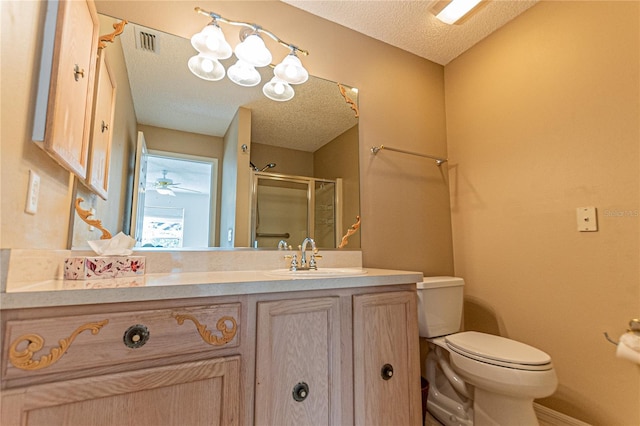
(440,305)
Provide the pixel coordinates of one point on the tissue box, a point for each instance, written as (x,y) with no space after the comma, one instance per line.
(98,267)
(123,282)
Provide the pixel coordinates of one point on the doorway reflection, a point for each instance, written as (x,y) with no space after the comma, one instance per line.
(178,201)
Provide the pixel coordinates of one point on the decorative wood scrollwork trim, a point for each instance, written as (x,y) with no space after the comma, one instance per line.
(24,359)
(118,27)
(227,333)
(348,100)
(84,215)
(350,232)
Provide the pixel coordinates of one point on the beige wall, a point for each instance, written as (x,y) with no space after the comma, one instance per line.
(288,161)
(234,201)
(542,118)
(169,140)
(21,33)
(336,160)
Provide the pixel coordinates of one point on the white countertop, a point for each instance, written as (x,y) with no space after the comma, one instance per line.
(164,286)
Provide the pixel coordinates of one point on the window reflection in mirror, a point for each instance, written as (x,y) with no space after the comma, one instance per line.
(313,135)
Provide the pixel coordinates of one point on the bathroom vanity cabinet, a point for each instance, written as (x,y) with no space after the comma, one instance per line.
(339,357)
(327,356)
(106,366)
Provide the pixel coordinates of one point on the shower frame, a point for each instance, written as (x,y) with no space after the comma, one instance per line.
(311,202)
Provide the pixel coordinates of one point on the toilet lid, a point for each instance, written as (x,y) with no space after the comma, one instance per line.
(498,351)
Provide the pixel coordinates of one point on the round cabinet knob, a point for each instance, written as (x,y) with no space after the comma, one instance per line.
(387,371)
(300,391)
(136,336)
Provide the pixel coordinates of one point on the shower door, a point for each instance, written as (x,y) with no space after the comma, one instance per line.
(291,208)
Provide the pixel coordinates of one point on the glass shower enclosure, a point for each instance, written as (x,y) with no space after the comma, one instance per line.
(291,208)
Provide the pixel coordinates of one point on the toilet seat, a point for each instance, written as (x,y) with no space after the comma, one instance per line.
(498,351)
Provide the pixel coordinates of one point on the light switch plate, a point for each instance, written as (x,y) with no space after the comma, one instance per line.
(33,191)
(587,219)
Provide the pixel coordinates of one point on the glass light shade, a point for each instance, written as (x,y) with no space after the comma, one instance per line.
(243,74)
(205,67)
(211,42)
(253,51)
(278,90)
(291,70)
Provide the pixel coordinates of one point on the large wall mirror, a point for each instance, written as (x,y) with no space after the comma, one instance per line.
(184,173)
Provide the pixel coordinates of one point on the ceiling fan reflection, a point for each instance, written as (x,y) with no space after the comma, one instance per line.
(165,186)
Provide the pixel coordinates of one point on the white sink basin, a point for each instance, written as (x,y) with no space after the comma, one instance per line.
(319,273)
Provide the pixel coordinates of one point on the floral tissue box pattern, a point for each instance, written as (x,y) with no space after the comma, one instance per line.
(84,268)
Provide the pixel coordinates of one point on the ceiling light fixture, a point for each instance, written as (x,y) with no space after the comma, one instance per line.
(251,53)
(455,10)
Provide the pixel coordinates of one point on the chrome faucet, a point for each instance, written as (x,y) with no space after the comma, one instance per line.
(282,245)
(303,254)
(303,266)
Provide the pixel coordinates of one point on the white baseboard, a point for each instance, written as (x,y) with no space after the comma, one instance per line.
(550,417)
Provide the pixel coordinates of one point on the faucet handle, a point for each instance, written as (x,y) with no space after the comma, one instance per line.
(312,261)
(294,261)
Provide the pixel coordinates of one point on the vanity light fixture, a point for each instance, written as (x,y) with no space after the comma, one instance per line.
(251,53)
(455,10)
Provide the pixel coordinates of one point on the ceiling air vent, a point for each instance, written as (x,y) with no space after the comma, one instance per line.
(147,40)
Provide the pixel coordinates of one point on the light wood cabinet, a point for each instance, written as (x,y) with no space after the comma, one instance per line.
(102,127)
(71,343)
(386,351)
(147,363)
(318,357)
(195,393)
(298,362)
(354,353)
(67,82)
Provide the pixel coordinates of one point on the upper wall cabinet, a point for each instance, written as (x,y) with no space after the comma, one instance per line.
(101,128)
(66,83)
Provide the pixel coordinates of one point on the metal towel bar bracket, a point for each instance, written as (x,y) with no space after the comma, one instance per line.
(376,149)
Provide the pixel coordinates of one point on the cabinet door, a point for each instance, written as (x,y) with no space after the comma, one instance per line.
(386,359)
(298,362)
(69,106)
(102,127)
(196,393)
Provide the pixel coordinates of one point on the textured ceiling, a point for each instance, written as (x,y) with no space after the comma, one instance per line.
(411,25)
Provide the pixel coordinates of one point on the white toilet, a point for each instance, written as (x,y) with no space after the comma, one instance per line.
(477,378)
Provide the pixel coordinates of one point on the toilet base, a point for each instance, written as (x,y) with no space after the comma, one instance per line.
(491,409)
(446,417)
(444,402)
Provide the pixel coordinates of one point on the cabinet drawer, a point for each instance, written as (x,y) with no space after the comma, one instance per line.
(192,393)
(53,345)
